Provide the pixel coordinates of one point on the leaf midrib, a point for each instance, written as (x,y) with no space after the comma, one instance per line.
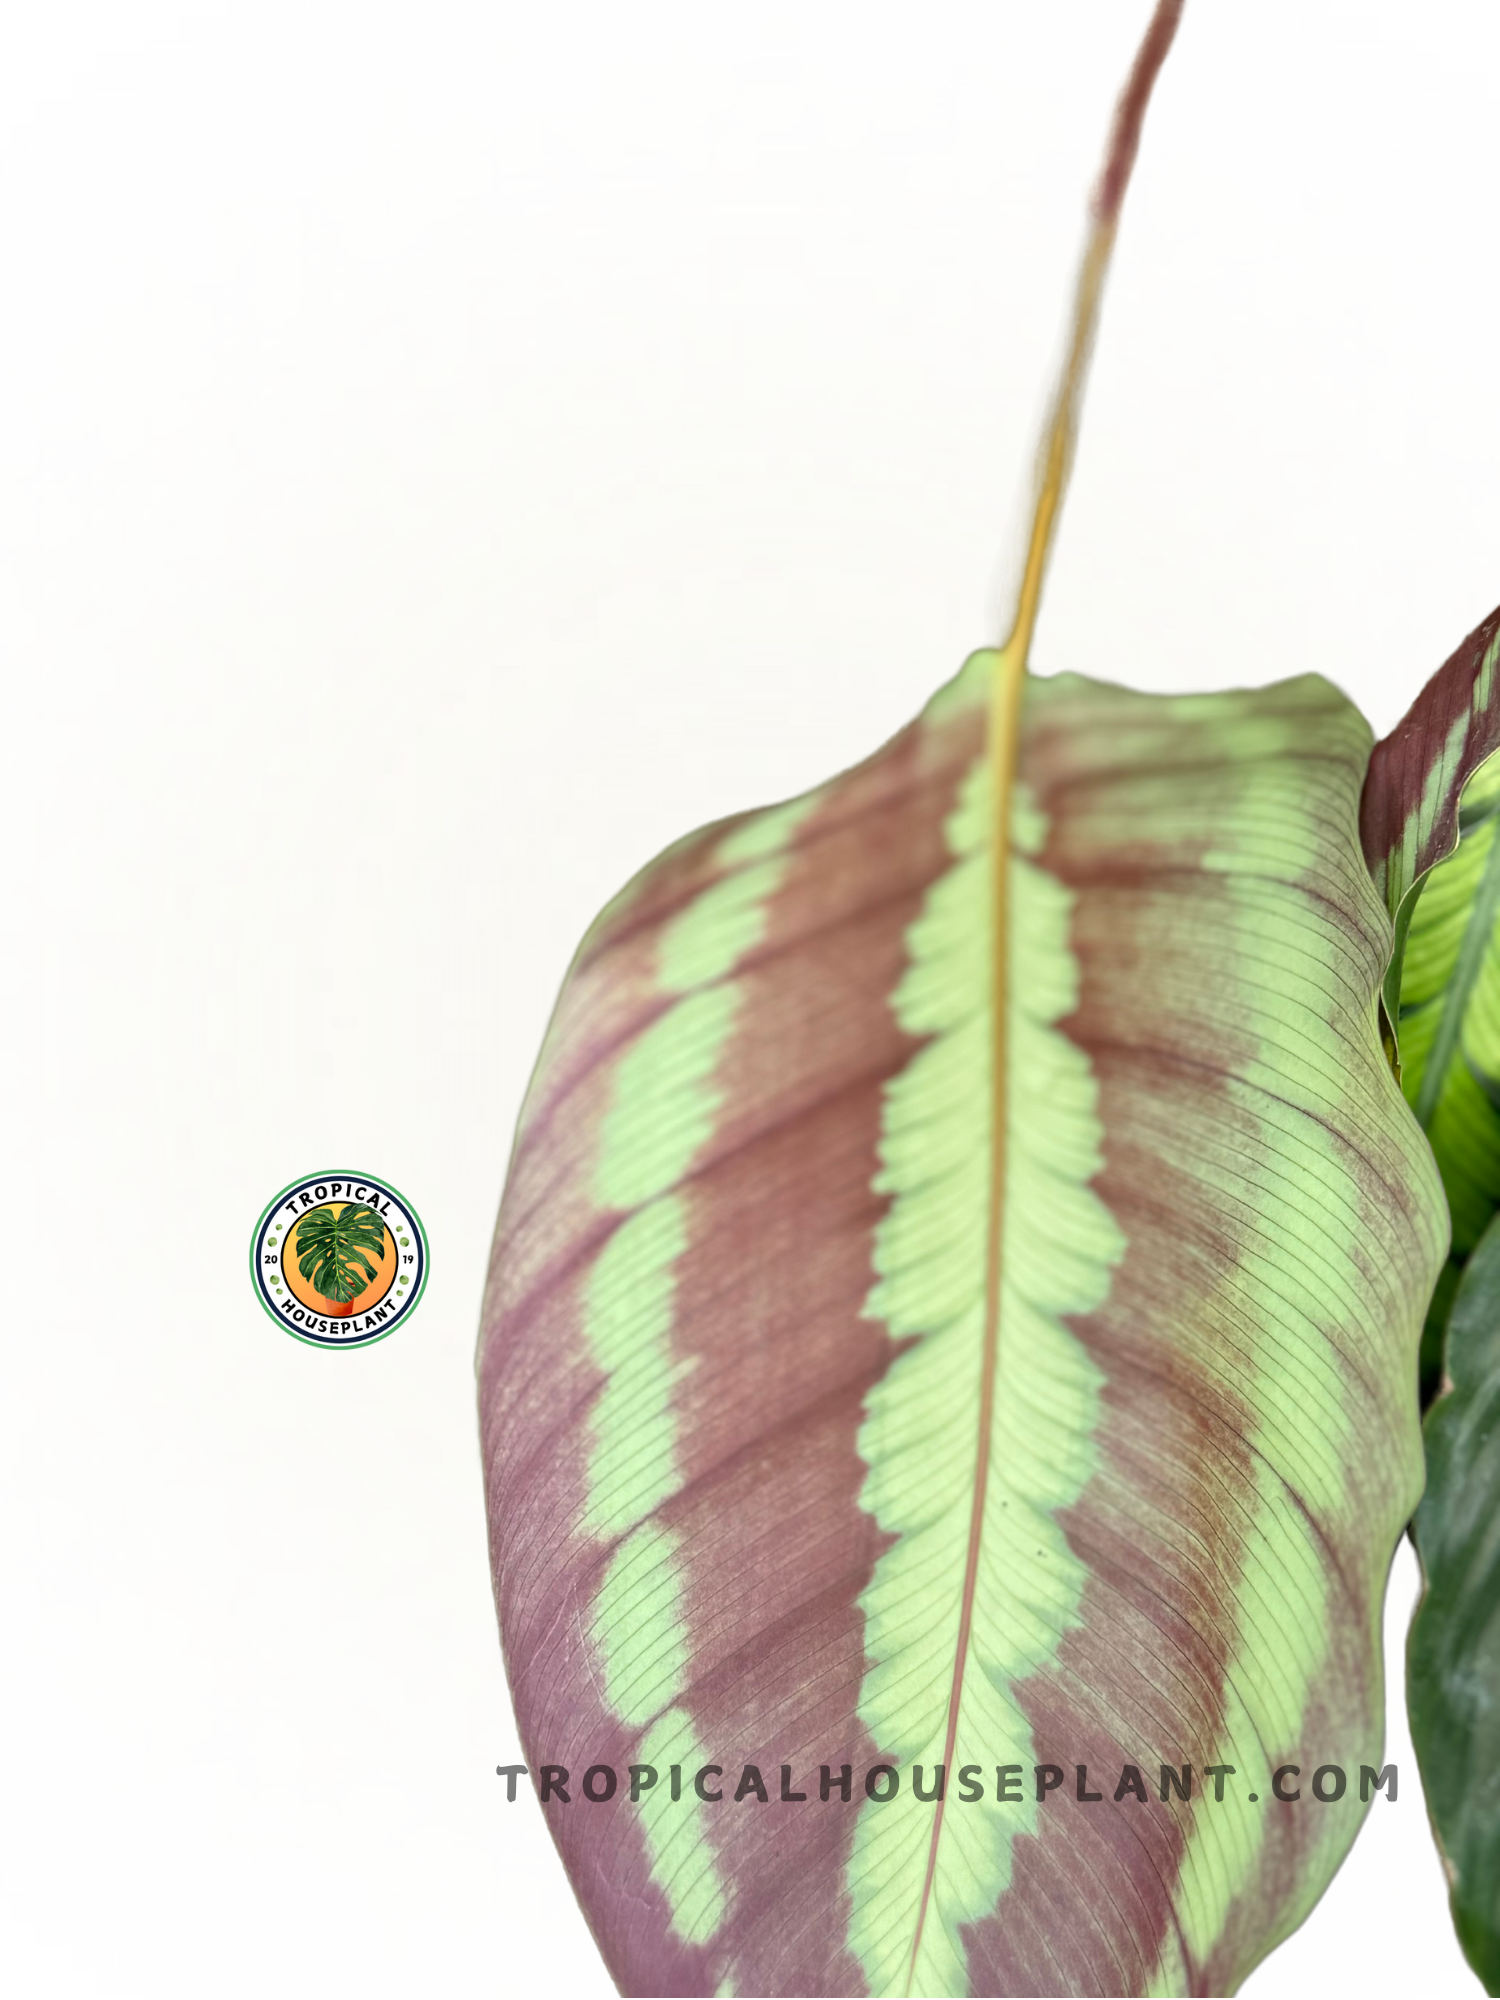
(1004,749)
(1004,757)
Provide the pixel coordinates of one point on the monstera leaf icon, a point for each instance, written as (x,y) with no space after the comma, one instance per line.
(331,1246)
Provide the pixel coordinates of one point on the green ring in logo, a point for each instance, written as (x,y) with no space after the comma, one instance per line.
(359,1267)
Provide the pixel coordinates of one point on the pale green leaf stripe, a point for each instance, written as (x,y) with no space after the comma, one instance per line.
(1058,1246)
(628,1313)
(1281,1591)
(1417,828)
(1307,1256)
(664,1108)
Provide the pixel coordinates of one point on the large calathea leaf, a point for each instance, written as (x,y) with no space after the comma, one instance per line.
(955,1307)
(1430,822)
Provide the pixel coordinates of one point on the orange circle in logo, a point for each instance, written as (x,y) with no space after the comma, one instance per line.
(385,1267)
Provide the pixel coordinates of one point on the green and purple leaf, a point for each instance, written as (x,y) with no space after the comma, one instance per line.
(1430,820)
(790,1463)
(955,1307)
(1410,808)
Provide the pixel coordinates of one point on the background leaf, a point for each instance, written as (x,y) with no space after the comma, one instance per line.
(1453,1656)
(1450,1036)
(1430,824)
(1409,808)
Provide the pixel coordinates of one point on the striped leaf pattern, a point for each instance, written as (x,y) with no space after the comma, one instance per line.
(1449,1026)
(1409,810)
(1433,794)
(955,1308)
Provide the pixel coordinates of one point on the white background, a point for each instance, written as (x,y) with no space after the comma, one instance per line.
(447,451)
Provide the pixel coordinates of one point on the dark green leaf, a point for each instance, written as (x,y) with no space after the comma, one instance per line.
(1453,1654)
(329,1244)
